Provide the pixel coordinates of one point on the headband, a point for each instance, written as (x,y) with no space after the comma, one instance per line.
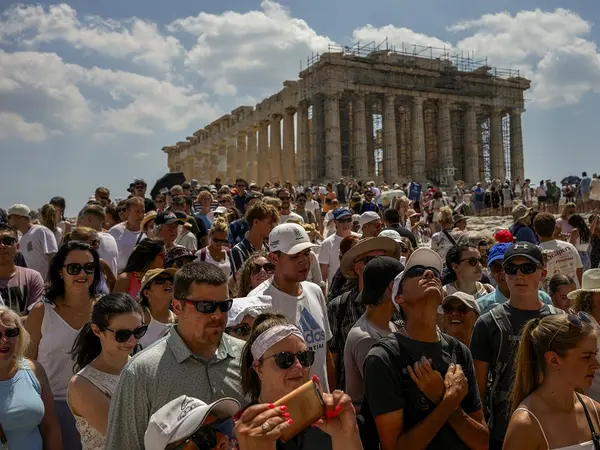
(271,337)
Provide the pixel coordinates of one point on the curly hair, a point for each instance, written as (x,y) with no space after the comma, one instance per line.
(244,279)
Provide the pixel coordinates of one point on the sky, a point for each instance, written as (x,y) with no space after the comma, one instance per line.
(91,91)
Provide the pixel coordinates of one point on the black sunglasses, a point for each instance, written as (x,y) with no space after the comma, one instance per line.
(242,329)
(210,306)
(473,261)
(124,335)
(8,240)
(220,241)
(269,267)
(526,268)
(367,259)
(11,332)
(76,268)
(344,220)
(285,360)
(205,438)
(419,271)
(162,280)
(461,309)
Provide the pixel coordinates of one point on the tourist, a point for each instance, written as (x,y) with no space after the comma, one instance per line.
(53,324)
(329,253)
(521,229)
(307,215)
(188,233)
(178,257)
(443,240)
(217,251)
(393,221)
(256,269)
(370,224)
(161,202)
(465,267)
(60,206)
(128,234)
(584,189)
(195,358)
(166,228)
(102,195)
(559,288)
(239,198)
(460,313)
(37,243)
(368,203)
(48,218)
(556,358)
(101,350)
(594,241)
(205,200)
(148,254)
(563,229)
(434,208)
(147,224)
(93,216)
(239,228)
(243,313)
(595,192)
(286,207)
(139,190)
(328,220)
(111,217)
(339,283)
(580,238)
(155,298)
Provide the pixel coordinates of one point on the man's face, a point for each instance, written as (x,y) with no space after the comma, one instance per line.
(293,268)
(103,198)
(372,229)
(421,289)
(368,195)
(168,232)
(520,283)
(301,203)
(285,198)
(8,247)
(498,275)
(139,190)
(241,187)
(135,213)
(363,260)
(14,220)
(343,225)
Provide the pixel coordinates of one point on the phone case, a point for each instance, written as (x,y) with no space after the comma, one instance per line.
(305,406)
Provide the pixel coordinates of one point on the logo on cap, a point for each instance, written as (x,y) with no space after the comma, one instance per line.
(298,235)
(521,246)
(189,404)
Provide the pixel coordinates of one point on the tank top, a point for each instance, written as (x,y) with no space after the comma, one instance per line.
(589,445)
(22,409)
(481,290)
(135,285)
(581,247)
(53,352)
(92,439)
(155,331)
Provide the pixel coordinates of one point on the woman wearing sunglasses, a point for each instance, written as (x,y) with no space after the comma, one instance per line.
(555,360)
(460,313)
(243,312)
(101,350)
(148,254)
(218,247)
(54,324)
(256,269)
(465,266)
(276,361)
(155,298)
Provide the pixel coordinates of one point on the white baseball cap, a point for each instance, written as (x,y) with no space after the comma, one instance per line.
(19,210)
(180,418)
(368,217)
(289,238)
(220,210)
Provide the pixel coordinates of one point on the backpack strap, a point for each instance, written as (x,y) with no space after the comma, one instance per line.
(449,236)
(203,254)
(502,321)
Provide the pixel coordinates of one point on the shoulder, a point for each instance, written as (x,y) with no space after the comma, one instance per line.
(313,289)
(38,370)
(524,429)
(147,361)
(36,313)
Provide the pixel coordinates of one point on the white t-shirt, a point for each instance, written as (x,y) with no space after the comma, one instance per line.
(330,254)
(37,245)
(109,251)
(58,235)
(313,206)
(309,313)
(561,257)
(126,241)
(224,265)
(283,218)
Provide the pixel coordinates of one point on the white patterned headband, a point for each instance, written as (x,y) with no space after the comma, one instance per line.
(271,337)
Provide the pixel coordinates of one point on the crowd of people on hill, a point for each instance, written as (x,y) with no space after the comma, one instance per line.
(350,316)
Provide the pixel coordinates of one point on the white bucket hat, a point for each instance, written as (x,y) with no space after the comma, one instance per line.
(589,283)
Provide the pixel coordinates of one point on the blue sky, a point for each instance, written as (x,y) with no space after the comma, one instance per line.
(91,91)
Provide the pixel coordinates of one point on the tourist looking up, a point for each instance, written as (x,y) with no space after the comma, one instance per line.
(100,351)
(148,254)
(217,251)
(196,358)
(27,413)
(370,224)
(286,207)
(93,216)
(37,244)
(329,254)
(156,296)
(53,324)
(256,269)
(580,238)
(166,228)
(128,234)
(521,229)
(443,240)
(460,313)
(559,288)
(555,359)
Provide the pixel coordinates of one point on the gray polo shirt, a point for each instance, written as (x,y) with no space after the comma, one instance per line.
(162,373)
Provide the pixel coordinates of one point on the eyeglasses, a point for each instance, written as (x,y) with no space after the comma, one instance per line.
(460,309)
(76,268)
(344,220)
(419,271)
(367,259)
(11,333)
(285,360)
(284,198)
(242,329)
(525,268)
(575,320)
(8,240)
(205,438)
(220,241)
(210,306)
(267,267)
(162,281)
(124,335)
(472,261)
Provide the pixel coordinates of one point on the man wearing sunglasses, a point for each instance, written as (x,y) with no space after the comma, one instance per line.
(420,385)
(329,255)
(286,207)
(497,332)
(196,358)
(370,224)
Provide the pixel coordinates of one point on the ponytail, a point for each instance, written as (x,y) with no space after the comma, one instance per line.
(86,347)
(527,370)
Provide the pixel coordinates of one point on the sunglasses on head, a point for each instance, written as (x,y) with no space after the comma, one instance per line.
(76,268)
(460,309)
(124,335)
(575,320)
(268,267)
(205,438)
(8,240)
(242,329)
(526,268)
(285,360)
(284,198)
(473,261)
(210,306)
(10,332)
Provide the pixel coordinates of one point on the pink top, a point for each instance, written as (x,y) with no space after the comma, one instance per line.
(135,285)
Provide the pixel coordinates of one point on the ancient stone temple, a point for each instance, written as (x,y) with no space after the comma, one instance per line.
(372,114)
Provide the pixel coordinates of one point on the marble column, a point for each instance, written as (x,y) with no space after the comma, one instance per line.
(471,149)
(189,165)
(288,161)
(222,162)
(418,141)
(263,152)
(404,165)
(333,145)
(241,160)
(252,156)
(214,163)
(390,151)
(370,138)
(231,160)
(360,162)
(275,149)
(317,139)
(517,163)
(445,137)
(497,147)
(303,156)
(199,164)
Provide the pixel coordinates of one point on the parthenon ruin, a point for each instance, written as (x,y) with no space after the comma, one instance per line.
(370,113)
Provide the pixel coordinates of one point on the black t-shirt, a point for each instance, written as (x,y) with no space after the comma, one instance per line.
(389,388)
(485,343)
(311,439)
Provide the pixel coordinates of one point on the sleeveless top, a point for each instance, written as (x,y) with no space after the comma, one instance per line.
(22,409)
(481,289)
(155,331)
(135,285)
(589,445)
(53,352)
(92,439)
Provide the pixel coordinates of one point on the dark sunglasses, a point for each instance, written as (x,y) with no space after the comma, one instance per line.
(268,267)
(419,271)
(140,186)
(472,261)
(461,309)
(525,268)
(162,280)
(8,240)
(575,320)
(209,306)
(11,332)
(285,360)
(284,198)
(205,438)
(180,262)
(344,220)
(76,268)
(367,259)
(220,241)
(242,329)
(120,210)
(482,244)
(124,335)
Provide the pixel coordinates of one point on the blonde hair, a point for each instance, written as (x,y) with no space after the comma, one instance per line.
(445,215)
(552,333)
(48,217)
(83,234)
(219,225)
(567,206)
(583,302)
(24,338)
(203,194)
(272,201)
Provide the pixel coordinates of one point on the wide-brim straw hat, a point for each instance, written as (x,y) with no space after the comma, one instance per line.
(589,283)
(147,218)
(385,244)
(519,212)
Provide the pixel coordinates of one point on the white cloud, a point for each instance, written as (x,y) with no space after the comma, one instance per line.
(403,39)
(14,126)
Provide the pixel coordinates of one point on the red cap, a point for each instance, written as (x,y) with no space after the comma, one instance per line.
(504,236)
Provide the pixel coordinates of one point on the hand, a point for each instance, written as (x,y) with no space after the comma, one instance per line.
(429,381)
(456,384)
(248,431)
(339,420)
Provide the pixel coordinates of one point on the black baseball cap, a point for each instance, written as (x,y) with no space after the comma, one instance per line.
(526,250)
(167,218)
(377,276)
(251,196)
(176,253)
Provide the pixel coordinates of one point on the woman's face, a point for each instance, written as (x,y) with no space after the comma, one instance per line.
(459,319)
(242,330)
(461,225)
(219,239)
(469,268)
(560,299)
(206,201)
(159,261)
(262,270)
(282,381)
(8,342)
(117,327)
(78,271)
(578,366)
(160,290)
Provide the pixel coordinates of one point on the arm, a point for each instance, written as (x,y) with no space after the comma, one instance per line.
(49,428)
(481,373)
(324,268)
(523,433)
(111,279)
(35,291)
(574,236)
(331,374)
(122,283)
(87,401)
(33,325)
(471,428)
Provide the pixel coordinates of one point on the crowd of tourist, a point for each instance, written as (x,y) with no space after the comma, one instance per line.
(347,316)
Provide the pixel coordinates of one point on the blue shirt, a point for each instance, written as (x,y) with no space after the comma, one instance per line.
(523,233)
(237,230)
(585,184)
(492,299)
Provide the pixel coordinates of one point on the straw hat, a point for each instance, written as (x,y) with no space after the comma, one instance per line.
(590,283)
(151,215)
(389,246)
(520,212)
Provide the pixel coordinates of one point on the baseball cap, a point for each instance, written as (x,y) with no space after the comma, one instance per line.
(368,217)
(252,196)
(289,238)
(392,234)
(220,210)
(423,256)
(180,418)
(504,236)
(527,250)
(467,299)
(341,213)
(497,252)
(167,218)
(19,210)
(378,274)
(175,253)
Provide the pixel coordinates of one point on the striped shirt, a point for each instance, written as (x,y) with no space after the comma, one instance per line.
(241,252)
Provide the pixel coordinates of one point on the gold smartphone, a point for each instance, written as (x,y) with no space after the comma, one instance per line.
(305,406)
